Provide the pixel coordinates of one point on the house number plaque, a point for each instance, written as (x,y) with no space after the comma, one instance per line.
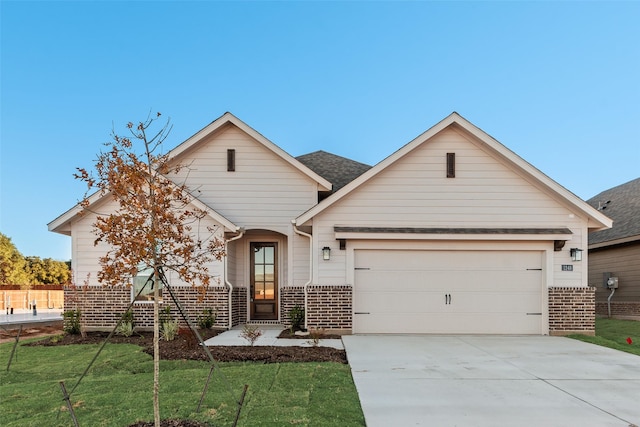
(567,267)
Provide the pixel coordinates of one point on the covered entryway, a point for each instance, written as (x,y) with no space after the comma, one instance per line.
(448,291)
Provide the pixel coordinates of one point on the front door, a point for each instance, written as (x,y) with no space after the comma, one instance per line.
(264,281)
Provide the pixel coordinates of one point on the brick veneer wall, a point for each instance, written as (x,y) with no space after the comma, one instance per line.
(619,308)
(239,309)
(290,297)
(101,307)
(329,307)
(572,310)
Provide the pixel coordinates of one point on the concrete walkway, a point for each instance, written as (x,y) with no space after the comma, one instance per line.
(26,319)
(269,337)
(493,381)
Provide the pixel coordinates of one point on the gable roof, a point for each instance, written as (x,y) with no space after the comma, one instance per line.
(336,169)
(596,220)
(62,224)
(622,204)
(228,118)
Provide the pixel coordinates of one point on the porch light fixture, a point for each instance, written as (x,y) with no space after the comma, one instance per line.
(326,253)
(576,254)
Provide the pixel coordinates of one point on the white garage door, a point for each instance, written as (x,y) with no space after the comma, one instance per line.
(447,292)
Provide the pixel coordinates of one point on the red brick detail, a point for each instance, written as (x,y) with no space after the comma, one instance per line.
(329,307)
(572,310)
(101,307)
(618,308)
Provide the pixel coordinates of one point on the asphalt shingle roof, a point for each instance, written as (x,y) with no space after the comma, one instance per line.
(622,205)
(336,169)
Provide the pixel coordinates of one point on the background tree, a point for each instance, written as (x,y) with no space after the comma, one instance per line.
(12,264)
(47,271)
(154,225)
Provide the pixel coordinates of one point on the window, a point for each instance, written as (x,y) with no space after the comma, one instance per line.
(145,274)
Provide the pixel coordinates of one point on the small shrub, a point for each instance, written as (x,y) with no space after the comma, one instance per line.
(296,316)
(207,319)
(251,333)
(125,329)
(71,322)
(127,325)
(169,327)
(169,330)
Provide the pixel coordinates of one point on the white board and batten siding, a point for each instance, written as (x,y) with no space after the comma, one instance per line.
(414,192)
(264,191)
(85,262)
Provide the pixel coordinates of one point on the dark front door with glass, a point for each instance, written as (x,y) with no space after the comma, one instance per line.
(264,280)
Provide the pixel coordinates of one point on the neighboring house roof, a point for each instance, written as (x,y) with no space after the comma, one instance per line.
(622,204)
(336,169)
(596,220)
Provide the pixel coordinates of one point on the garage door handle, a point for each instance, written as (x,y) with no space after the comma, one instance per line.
(361,312)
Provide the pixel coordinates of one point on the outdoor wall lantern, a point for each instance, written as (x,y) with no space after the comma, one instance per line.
(326,253)
(576,254)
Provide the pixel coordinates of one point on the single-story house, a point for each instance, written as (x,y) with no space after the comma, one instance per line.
(452,233)
(615,252)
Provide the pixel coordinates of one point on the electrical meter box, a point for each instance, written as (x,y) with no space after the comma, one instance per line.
(612,283)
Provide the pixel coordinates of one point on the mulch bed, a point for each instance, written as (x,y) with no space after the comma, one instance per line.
(186,347)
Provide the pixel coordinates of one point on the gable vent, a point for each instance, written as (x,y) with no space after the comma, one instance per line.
(451,165)
(231,160)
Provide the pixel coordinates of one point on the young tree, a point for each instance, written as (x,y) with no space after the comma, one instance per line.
(154,225)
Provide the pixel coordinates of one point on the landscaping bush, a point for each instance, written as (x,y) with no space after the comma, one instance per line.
(127,325)
(207,319)
(71,322)
(296,316)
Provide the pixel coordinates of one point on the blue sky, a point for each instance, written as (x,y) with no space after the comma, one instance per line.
(556,82)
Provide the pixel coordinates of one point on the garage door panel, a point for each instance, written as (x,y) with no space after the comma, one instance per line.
(448,291)
(377,280)
(392,302)
(396,260)
(458,323)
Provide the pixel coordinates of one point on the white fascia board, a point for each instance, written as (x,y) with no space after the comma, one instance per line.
(227,117)
(62,224)
(597,220)
(302,219)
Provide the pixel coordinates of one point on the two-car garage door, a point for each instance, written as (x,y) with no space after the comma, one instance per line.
(447,292)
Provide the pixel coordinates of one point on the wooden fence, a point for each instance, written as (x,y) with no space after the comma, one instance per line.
(25,298)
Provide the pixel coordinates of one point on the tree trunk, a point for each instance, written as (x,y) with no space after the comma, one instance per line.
(156,349)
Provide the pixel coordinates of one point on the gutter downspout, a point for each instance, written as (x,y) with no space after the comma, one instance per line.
(613,291)
(306,285)
(226,280)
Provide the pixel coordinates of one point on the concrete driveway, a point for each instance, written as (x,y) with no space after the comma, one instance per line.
(411,380)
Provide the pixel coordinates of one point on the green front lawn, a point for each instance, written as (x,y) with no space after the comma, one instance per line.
(613,333)
(118,390)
